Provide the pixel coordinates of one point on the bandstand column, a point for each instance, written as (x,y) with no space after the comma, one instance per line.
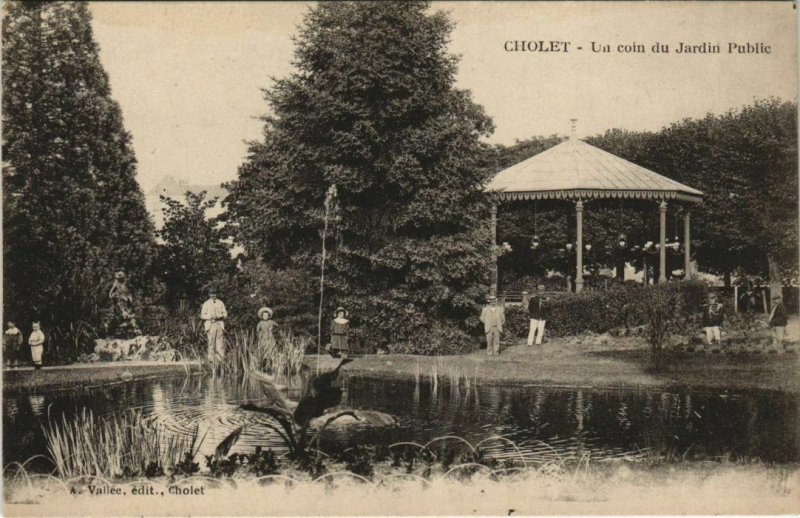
(662,239)
(687,246)
(494,249)
(579,246)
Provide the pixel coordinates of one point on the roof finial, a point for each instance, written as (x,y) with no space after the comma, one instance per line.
(573,124)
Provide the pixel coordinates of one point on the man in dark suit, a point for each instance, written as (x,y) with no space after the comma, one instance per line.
(536,312)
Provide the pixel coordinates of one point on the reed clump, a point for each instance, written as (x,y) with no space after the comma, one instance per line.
(124,445)
(283,357)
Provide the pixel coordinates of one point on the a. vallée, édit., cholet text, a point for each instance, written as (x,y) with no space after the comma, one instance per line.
(638,48)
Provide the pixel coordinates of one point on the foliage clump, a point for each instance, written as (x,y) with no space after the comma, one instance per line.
(73,212)
(373,109)
(570,314)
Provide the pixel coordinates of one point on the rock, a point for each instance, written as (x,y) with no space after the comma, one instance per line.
(138,348)
(366,419)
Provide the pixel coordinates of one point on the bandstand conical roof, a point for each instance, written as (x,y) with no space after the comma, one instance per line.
(574,169)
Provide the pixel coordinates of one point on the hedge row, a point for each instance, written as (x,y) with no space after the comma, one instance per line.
(600,312)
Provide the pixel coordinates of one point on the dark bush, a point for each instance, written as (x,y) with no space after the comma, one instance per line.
(517,322)
(601,311)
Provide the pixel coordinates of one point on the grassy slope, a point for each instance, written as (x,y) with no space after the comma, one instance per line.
(616,362)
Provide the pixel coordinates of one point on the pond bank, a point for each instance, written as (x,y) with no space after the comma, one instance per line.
(591,362)
(88,375)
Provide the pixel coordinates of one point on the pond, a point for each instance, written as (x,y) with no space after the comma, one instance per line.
(543,423)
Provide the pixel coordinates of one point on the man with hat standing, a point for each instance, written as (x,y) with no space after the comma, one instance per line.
(536,313)
(213,315)
(493,318)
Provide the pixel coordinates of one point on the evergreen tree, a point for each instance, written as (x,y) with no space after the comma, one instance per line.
(73,211)
(373,109)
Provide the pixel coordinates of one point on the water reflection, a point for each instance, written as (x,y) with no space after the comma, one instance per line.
(545,423)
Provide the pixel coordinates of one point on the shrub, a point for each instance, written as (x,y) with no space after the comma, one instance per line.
(438,339)
(601,311)
(517,322)
(661,307)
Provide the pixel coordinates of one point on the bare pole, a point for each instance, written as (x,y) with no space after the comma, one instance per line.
(494,249)
(329,197)
(662,240)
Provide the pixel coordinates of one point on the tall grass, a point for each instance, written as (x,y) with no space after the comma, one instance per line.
(183,329)
(122,445)
(244,354)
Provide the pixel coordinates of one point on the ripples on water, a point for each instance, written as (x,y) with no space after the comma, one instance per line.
(543,423)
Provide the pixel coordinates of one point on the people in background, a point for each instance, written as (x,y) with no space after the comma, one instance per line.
(340,330)
(778,319)
(264,334)
(213,315)
(493,318)
(536,313)
(12,341)
(36,343)
(747,300)
(712,319)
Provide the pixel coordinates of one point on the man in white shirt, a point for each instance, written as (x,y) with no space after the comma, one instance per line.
(213,314)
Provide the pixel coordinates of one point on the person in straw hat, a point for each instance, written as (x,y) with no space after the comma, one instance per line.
(340,330)
(778,318)
(264,336)
(213,314)
(493,317)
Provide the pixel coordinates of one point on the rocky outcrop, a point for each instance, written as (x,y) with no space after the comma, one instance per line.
(152,348)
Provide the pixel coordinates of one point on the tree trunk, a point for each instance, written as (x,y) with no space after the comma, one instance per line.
(775,277)
(727,276)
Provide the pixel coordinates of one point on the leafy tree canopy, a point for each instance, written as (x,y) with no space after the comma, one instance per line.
(73,211)
(193,254)
(373,109)
(745,162)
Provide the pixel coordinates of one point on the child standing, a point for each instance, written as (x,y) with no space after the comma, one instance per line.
(36,342)
(778,320)
(12,339)
(340,329)
(712,319)
(264,336)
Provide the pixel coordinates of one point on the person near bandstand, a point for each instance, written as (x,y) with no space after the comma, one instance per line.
(712,319)
(778,318)
(493,317)
(538,318)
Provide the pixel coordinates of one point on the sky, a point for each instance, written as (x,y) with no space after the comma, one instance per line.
(189,75)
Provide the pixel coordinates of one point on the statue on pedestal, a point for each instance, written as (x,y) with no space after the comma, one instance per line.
(124,321)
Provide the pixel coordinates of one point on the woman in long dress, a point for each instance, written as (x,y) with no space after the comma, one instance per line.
(340,329)
(265,339)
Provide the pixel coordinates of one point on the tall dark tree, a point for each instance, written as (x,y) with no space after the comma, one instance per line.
(373,109)
(73,211)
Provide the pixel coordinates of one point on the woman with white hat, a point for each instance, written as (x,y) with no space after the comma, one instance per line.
(264,336)
(340,329)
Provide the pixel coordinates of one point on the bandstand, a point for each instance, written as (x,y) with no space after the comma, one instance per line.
(577,172)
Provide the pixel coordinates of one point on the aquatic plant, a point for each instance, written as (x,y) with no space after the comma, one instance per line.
(124,445)
(245,355)
(183,329)
(292,421)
